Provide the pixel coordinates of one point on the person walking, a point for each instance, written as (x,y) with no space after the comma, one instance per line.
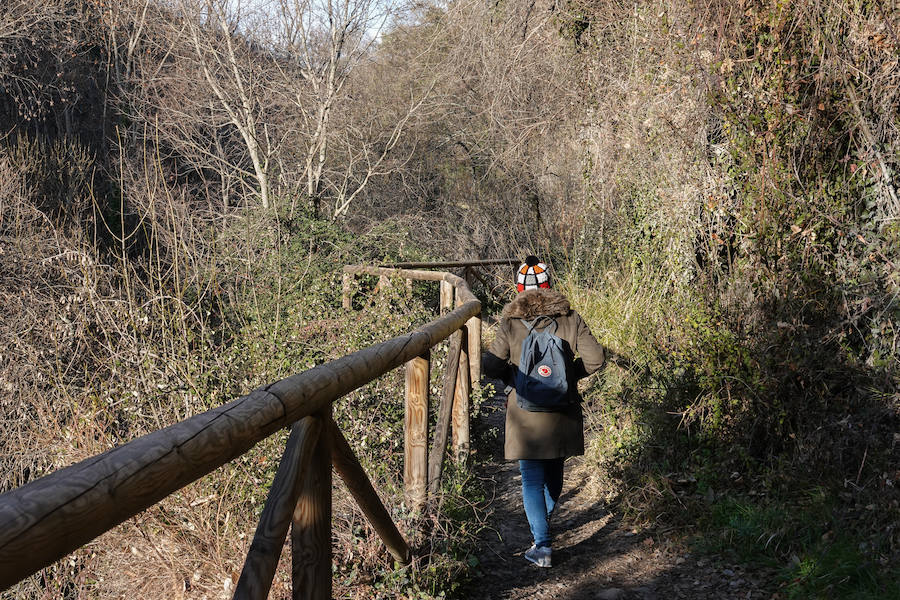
(541,441)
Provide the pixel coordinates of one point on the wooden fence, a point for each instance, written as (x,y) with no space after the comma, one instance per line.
(46,519)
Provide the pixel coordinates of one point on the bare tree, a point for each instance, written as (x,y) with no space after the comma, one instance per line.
(498,151)
(327,42)
(126,22)
(236,78)
(266,98)
(31,52)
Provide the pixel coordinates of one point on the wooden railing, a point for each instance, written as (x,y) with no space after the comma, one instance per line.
(46,519)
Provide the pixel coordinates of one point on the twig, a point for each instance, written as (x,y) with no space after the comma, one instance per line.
(861,465)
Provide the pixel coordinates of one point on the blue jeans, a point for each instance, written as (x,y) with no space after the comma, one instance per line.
(541,485)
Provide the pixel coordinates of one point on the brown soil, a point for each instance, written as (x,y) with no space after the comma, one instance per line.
(595,556)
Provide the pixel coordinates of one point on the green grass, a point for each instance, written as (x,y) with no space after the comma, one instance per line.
(812,554)
(838,569)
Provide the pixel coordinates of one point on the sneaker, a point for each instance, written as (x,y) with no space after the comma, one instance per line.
(539,556)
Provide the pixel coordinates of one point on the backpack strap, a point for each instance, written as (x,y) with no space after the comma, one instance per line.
(534,323)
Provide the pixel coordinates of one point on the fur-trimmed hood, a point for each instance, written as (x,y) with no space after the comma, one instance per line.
(534,303)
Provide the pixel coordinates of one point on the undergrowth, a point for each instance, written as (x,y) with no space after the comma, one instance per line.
(133,343)
(664,453)
(741,262)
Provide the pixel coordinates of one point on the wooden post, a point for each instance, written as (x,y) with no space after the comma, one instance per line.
(473,326)
(311,531)
(262,558)
(347,466)
(442,428)
(415,428)
(461,402)
(446,297)
(346,281)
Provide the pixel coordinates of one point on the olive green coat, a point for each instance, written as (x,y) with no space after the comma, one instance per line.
(543,434)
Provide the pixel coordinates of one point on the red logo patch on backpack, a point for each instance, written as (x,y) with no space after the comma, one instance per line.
(544,371)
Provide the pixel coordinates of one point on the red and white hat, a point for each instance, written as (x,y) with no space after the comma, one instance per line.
(532,274)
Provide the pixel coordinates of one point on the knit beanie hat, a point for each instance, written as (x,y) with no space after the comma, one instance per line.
(532,274)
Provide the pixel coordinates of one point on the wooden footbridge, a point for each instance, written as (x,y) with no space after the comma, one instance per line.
(50,517)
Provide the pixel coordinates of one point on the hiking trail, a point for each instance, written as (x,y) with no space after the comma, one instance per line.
(595,556)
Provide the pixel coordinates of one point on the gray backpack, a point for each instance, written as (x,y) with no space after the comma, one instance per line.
(542,382)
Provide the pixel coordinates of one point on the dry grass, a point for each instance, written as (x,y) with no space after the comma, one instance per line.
(102,348)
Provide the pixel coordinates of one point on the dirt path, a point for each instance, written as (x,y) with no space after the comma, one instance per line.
(594,555)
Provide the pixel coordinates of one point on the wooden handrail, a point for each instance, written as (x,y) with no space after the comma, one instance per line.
(46,519)
(452,265)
